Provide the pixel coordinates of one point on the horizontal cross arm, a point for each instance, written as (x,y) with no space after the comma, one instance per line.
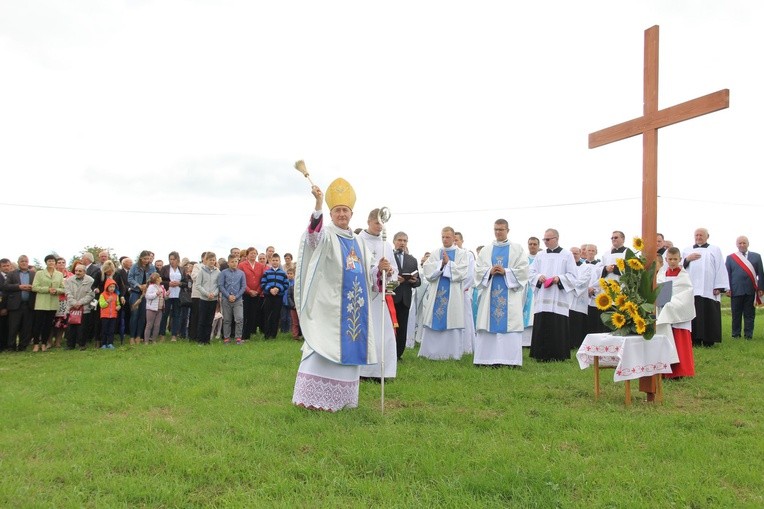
(679,113)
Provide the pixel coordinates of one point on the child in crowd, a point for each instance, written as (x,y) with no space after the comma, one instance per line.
(274,284)
(217,323)
(675,318)
(291,307)
(207,285)
(155,297)
(108,301)
(232,284)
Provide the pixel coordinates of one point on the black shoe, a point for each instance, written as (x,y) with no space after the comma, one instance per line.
(736,337)
(749,337)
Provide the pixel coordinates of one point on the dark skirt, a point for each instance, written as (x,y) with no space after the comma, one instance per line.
(550,337)
(576,329)
(594,321)
(707,324)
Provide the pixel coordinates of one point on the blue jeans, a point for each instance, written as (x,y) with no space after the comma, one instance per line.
(137,316)
(172,309)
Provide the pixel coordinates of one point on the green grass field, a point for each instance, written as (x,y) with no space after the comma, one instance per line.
(177,425)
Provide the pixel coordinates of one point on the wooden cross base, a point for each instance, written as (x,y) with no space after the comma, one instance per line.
(653,384)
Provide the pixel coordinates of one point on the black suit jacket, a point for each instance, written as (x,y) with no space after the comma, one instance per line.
(120,277)
(3,277)
(11,292)
(165,273)
(403,291)
(94,271)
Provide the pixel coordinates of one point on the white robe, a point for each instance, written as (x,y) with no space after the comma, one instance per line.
(708,272)
(380,313)
(323,382)
(580,297)
(503,347)
(553,299)
(609,259)
(449,343)
(595,273)
(680,310)
(469,321)
(528,309)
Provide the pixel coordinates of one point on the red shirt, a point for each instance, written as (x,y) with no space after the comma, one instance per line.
(253,275)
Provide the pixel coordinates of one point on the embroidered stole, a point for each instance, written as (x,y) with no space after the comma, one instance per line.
(499,291)
(442,295)
(354,325)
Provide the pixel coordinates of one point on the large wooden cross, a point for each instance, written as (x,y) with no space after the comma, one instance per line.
(647,125)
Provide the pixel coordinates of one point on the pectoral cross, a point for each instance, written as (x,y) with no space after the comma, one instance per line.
(647,125)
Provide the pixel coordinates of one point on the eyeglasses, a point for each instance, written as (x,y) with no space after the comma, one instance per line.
(550,238)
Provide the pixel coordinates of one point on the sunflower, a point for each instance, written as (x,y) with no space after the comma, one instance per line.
(618,320)
(604,284)
(636,264)
(615,286)
(603,302)
(620,300)
(638,244)
(621,264)
(640,324)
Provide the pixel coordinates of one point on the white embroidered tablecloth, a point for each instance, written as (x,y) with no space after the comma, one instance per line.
(632,356)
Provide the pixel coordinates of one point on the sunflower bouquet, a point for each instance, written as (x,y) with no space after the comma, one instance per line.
(628,305)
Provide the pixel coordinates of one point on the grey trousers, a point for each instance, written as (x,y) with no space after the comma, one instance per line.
(232,312)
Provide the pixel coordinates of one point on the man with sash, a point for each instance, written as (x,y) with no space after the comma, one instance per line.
(502,273)
(443,320)
(553,274)
(705,265)
(744,269)
(533,248)
(333,289)
(381,316)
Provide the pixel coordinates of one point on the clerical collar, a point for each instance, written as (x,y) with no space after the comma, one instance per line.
(558,249)
(580,262)
(592,262)
(695,246)
(618,250)
(661,251)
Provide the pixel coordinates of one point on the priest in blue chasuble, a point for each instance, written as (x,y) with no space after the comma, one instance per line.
(333,292)
(501,272)
(443,322)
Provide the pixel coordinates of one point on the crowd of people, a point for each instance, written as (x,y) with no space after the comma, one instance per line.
(93,302)
(359,301)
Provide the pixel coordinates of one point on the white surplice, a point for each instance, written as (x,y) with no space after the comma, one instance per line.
(449,343)
(708,272)
(323,382)
(380,313)
(501,347)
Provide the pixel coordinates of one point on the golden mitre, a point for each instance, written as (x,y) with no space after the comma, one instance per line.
(340,192)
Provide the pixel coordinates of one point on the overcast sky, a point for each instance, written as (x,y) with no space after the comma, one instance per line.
(174,125)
